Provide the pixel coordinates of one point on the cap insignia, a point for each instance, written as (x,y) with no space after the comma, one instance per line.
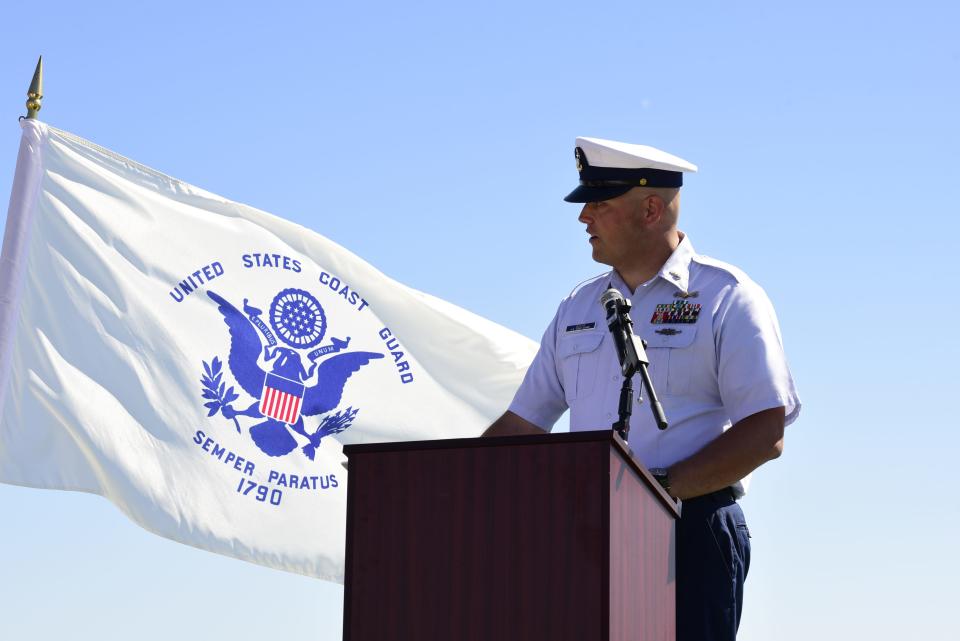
(578,154)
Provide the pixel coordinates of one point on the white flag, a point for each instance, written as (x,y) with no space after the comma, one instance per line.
(200,363)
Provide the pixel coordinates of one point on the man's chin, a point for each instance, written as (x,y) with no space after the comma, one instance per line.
(600,258)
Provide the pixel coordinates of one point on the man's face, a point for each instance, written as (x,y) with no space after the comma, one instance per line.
(615,228)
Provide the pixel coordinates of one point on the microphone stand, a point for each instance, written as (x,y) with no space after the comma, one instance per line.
(634,360)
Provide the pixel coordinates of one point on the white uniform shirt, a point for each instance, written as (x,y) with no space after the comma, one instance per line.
(711,366)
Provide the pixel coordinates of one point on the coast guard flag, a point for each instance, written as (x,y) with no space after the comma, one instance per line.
(200,363)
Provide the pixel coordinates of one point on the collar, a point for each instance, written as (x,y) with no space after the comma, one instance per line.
(675,271)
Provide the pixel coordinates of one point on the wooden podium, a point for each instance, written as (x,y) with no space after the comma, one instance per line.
(550,537)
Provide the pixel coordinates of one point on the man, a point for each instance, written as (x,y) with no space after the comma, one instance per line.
(716,361)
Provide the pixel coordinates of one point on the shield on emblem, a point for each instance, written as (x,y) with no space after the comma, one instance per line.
(281,399)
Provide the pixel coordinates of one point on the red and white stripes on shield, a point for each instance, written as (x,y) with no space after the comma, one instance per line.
(281,399)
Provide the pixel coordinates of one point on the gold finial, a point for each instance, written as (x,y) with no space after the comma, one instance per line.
(35,93)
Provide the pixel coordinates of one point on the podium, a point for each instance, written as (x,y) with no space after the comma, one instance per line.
(550,537)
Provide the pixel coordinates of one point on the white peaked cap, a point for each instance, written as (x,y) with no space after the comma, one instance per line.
(625,155)
(609,169)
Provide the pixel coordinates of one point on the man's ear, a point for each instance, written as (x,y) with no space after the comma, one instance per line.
(652,209)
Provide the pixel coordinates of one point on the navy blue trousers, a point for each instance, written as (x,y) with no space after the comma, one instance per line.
(713,556)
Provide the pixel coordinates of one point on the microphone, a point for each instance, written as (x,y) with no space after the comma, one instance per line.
(632,357)
(621,327)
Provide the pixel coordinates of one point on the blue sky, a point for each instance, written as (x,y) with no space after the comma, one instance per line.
(435,140)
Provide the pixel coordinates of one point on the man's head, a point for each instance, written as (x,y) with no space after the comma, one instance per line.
(627,227)
(632,201)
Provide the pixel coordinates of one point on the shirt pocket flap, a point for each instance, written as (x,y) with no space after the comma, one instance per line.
(579,343)
(671,357)
(578,358)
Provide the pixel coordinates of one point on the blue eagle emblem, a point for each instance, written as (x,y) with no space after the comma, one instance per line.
(284,395)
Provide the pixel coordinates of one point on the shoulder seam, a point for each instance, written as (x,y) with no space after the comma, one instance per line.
(586,282)
(738,275)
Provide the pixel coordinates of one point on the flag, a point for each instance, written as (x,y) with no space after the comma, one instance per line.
(201,363)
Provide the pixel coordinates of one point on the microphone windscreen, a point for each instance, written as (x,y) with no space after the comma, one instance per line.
(610,295)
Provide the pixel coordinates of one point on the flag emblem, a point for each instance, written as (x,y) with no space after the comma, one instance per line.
(284,392)
(281,399)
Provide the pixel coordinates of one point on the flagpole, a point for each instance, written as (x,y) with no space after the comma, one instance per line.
(35,92)
(13,254)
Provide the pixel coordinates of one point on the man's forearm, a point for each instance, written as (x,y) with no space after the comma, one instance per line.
(737,452)
(511,425)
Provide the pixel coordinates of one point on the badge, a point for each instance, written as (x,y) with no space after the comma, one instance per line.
(675,313)
(581,327)
(669,331)
(578,154)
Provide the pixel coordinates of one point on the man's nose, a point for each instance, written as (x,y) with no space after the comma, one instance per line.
(586,214)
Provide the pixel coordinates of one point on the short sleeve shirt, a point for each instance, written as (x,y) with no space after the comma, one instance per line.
(715,350)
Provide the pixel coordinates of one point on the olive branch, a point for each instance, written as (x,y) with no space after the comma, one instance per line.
(219,396)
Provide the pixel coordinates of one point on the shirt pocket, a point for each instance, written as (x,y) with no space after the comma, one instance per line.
(579,355)
(671,356)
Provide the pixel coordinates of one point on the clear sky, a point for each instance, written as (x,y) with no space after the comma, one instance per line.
(435,139)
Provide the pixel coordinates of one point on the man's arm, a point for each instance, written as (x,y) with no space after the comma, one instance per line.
(510,425)
(743,448)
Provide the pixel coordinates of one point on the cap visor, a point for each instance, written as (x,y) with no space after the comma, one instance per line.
(585,194)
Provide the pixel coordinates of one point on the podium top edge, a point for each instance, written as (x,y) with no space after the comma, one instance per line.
(479,441)
(596,436)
